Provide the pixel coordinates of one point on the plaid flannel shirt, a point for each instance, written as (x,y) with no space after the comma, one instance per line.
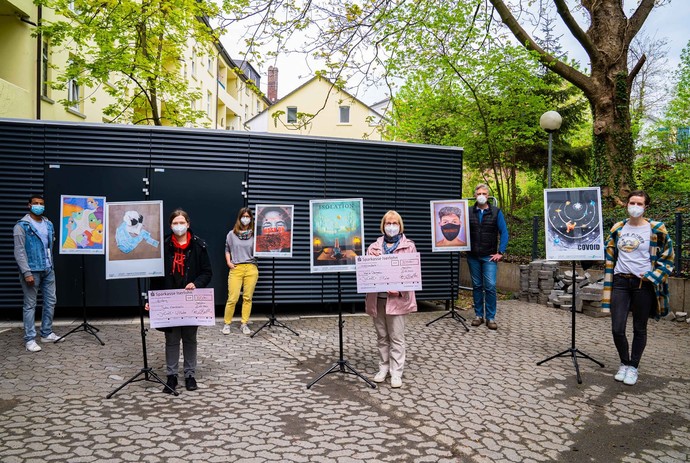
(661,256)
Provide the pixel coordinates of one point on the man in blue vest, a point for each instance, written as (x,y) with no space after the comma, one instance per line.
(487,224)
(33,243)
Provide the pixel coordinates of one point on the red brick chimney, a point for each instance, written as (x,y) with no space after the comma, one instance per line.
(272,88)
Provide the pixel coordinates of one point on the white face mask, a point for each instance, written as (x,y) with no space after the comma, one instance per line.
(392,230)
(245,221)
(635,211)
(179,230)
(481,200)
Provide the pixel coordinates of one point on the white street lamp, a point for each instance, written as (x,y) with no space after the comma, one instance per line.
(550,121)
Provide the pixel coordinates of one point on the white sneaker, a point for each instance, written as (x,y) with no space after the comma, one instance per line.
(226,329)
(245,329)
(31,346)
(52,337)
(380,376)
(630,376)
(396,381)
(622,370)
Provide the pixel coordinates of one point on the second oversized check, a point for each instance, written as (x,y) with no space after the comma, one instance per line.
(182,307)
(389,272)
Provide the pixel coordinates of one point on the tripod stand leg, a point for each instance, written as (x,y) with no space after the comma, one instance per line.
(268,323)
(92,330)
(336,366)
(560,354)
(355,372)
(585,356)
(577,367)
(276,322)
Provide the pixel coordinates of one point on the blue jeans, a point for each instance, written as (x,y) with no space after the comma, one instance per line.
(483,273)
(46,282)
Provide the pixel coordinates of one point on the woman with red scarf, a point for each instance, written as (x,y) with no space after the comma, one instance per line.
(188,266)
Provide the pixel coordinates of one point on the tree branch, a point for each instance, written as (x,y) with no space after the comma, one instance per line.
(575,29)
(569,73)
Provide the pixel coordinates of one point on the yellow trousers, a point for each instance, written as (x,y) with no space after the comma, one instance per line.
(243,275)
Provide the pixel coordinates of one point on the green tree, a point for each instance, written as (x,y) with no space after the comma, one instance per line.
(356,37)
(132,49)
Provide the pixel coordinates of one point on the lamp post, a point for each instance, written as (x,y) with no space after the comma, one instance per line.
(550,121)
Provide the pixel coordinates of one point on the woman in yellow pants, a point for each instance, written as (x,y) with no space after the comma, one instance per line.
(244,273)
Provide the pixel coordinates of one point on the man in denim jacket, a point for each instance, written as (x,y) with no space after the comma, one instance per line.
(33,243)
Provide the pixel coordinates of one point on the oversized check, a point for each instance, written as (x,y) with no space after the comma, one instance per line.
(389,272)
(181,307)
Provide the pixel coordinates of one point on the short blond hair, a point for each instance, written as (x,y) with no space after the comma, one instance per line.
(396,216)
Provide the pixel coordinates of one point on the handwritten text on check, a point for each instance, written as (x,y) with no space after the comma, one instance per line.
(389,272)
(182,307)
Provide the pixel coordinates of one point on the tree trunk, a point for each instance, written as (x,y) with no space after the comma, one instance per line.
(607,88)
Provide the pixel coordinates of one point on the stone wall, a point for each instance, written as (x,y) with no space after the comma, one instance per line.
(508,280)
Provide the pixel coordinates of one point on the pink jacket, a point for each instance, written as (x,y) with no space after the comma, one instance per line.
(404,304)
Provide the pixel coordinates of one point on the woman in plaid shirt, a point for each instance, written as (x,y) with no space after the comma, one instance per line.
(639,259)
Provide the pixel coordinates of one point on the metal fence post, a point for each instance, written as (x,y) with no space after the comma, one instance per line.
(535,234)
(679,243)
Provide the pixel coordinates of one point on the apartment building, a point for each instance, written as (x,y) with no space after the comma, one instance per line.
(229,90)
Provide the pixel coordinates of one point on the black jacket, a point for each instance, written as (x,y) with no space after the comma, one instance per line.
(197,265)
(484,235)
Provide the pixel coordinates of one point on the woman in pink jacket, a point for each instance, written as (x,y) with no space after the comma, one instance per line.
(389,309)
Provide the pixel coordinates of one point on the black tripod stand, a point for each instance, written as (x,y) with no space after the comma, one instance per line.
(272,320)
(453,297)
(147,371)
(342,365)
(573,351)
(85,326)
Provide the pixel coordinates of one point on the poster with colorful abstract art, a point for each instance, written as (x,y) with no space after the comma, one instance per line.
(81,224)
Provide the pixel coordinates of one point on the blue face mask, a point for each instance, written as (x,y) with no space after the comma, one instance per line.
(38,209)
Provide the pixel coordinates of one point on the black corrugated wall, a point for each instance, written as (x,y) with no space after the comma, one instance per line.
(280,170)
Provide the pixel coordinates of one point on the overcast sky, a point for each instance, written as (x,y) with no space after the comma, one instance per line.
(669,21)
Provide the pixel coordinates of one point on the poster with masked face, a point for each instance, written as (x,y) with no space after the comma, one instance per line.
(273,230)
(134,239)
(449,226)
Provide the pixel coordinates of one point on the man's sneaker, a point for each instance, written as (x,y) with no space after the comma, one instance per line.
(477,321)
(630,376)
(622,370)
(396,381)
(190,383)
(171,384)
(245,329)
(226,329)
(491,325)
(52,337)
(380,376)
(31,346)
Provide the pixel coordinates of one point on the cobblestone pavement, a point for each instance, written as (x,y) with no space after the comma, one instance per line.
(466,397)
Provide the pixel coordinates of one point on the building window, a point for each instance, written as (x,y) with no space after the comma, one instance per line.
(258,107)
(193,65)
(209,64)
(344,114)
(208,104)
(44,69)
(292,115)
(73,94)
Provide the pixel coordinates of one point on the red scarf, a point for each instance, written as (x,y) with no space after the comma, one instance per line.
(179,257)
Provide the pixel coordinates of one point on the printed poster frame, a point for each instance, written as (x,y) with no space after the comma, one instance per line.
(439,243)
(81,233)
(573,225)
(273,237)
(134,239)
(336,234)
